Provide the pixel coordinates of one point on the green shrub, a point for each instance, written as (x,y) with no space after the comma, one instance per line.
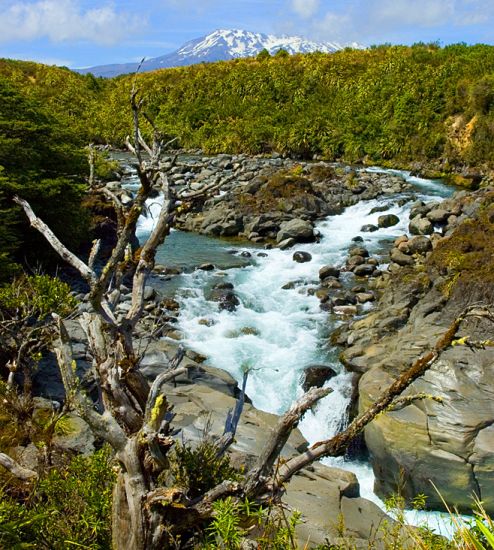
(69,507)
(200,469)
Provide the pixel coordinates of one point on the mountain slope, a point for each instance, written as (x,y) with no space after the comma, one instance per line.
(221,45)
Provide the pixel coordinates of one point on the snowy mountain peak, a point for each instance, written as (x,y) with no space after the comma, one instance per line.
(234,43)
(221,45)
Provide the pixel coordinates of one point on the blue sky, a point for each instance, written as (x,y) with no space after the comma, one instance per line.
(80,33)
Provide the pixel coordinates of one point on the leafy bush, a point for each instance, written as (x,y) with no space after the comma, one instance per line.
(69,507)
(37,297)
(200,469)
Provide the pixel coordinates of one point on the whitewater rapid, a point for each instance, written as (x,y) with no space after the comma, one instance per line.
(275,332)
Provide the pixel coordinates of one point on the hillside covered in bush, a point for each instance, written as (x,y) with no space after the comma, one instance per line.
(388,103)
(421,106)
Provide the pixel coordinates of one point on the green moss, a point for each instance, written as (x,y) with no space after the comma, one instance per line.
(466,259)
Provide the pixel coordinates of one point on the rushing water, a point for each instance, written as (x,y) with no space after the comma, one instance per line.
(275,333)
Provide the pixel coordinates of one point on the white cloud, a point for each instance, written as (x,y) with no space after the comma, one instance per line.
(305,8)
(361,20)
(335,26)
(64,21)
(423,13)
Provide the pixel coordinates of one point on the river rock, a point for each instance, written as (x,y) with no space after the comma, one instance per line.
(287,243)
(354,261)
(377,209)
(316,376)
(345,310)
(400,258)
(388,220)
(369,228)
(328,271)
(420,226)
(298,229)
(358,251)
(364,270)
(226,298)
(438,215)
(451,442)
(206,267)
(301,257)
(364,297)
(420,244)
(318,492)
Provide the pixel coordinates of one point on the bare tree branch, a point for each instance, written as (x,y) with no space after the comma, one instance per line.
(257,477)
(55,243)
(94,253)
(104,426)
(16,469)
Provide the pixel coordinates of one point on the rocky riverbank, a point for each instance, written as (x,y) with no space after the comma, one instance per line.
(448,438)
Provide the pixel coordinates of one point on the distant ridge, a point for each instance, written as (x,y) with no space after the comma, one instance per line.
(221,45)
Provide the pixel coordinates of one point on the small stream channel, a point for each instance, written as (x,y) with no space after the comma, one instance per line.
(276,332)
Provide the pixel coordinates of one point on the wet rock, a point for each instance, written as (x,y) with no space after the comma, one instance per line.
(364,297)
(298,229)
(322,294)
(345,310)
(358,239)
(289,286)
(354,261)
(301,257)
(245,254)
(206,267)
(223,286)
(358,251)
(400,258)
(364,270)
(388,220)
(331,282)
(344,298)
(369,228)
(287,243)
(420,226)
(329,271)
(226,298)
(316,376)
(206,322)
(382,208)
(170,304)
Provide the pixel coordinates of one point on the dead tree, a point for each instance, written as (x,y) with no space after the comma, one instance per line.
(136,418)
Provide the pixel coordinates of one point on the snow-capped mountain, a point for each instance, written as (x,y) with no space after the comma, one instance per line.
(221,45)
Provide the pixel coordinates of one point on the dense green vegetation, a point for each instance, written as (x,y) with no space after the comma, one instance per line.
(42,135)
(387,103)
(69,507)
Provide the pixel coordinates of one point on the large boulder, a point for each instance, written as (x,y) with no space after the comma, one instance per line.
(221,221)
(448,442)
(420,226)
(298,229)
(388,220)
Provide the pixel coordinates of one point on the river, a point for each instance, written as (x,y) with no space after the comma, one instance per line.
(276,332)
